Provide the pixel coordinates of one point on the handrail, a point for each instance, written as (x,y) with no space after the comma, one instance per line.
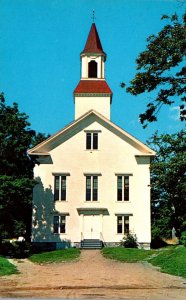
(102,239)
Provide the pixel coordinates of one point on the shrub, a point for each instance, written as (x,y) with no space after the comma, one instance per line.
(130,241)
(15,249)
(183,238)
(157,243)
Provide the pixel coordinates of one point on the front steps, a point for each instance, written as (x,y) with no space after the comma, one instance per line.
(91,244)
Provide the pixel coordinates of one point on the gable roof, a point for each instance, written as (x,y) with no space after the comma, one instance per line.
(93,43)
(74,127)
(92,87)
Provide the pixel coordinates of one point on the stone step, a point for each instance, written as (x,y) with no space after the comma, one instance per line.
(91,244)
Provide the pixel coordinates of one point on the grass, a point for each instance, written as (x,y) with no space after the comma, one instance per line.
(126,254)
(171,260)
(55,256)
(6,268)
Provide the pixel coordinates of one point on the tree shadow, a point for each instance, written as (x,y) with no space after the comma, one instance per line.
(43,238)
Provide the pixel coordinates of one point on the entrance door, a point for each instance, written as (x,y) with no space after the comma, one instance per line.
(91,227)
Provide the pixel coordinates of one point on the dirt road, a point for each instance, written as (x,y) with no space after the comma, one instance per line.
(92,276)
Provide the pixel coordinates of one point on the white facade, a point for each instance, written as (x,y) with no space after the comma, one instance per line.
(100,103)
(93,178)
(65,154)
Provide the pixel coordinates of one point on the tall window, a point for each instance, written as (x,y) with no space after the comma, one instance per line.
(123,188)
(92,69)
(59,224)
(92,140)
(60,187)
(91,188)
(123,224)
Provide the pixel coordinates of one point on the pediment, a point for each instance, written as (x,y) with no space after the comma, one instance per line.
(81,124)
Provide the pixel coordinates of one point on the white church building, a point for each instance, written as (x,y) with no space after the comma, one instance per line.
(93,177)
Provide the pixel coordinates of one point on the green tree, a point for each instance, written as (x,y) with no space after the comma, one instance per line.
(16,170)
(38,138)
(162,71)
(168,184)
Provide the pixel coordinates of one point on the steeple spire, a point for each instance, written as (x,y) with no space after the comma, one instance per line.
(93,43)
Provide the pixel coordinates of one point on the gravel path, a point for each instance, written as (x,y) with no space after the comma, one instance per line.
(92,276)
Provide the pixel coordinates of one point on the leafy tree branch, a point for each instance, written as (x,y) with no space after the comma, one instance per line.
(161,69)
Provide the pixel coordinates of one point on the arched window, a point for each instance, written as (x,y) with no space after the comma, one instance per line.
(92,69)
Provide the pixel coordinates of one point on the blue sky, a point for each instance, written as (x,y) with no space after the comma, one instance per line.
(40,47)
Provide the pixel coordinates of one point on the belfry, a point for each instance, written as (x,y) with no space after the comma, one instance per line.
(92,91)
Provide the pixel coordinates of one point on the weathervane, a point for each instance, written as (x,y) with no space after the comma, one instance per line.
(93,16)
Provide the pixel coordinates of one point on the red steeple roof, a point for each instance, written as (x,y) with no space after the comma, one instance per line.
(92,86)
(93,44)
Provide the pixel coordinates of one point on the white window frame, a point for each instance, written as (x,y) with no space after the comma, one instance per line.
(60,217)
(124,176)
(60,175)
(92,188)
(92,132)
(125,218)
(92,175)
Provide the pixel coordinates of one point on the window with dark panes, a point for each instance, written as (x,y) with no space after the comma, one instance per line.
(59,224)
(95,188)
(56,224)
(119,183)
(63,187)
(62,224)
(91,188)
(119,224)
(92,141)
(95,140)
(88,141)
(123,188)
(88,188)
(123,224)
(126,224)
(126,188)
(60,187)
(56,188)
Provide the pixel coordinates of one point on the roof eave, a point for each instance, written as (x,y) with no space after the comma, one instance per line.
(152,154)
(93,94)
(93,53)
(30,153)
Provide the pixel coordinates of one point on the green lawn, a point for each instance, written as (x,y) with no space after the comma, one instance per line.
(171,260)
(6,268)
(55,256)
(126,254)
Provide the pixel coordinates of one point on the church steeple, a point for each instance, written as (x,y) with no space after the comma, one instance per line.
(93,92)
(93,44)
(93,57)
